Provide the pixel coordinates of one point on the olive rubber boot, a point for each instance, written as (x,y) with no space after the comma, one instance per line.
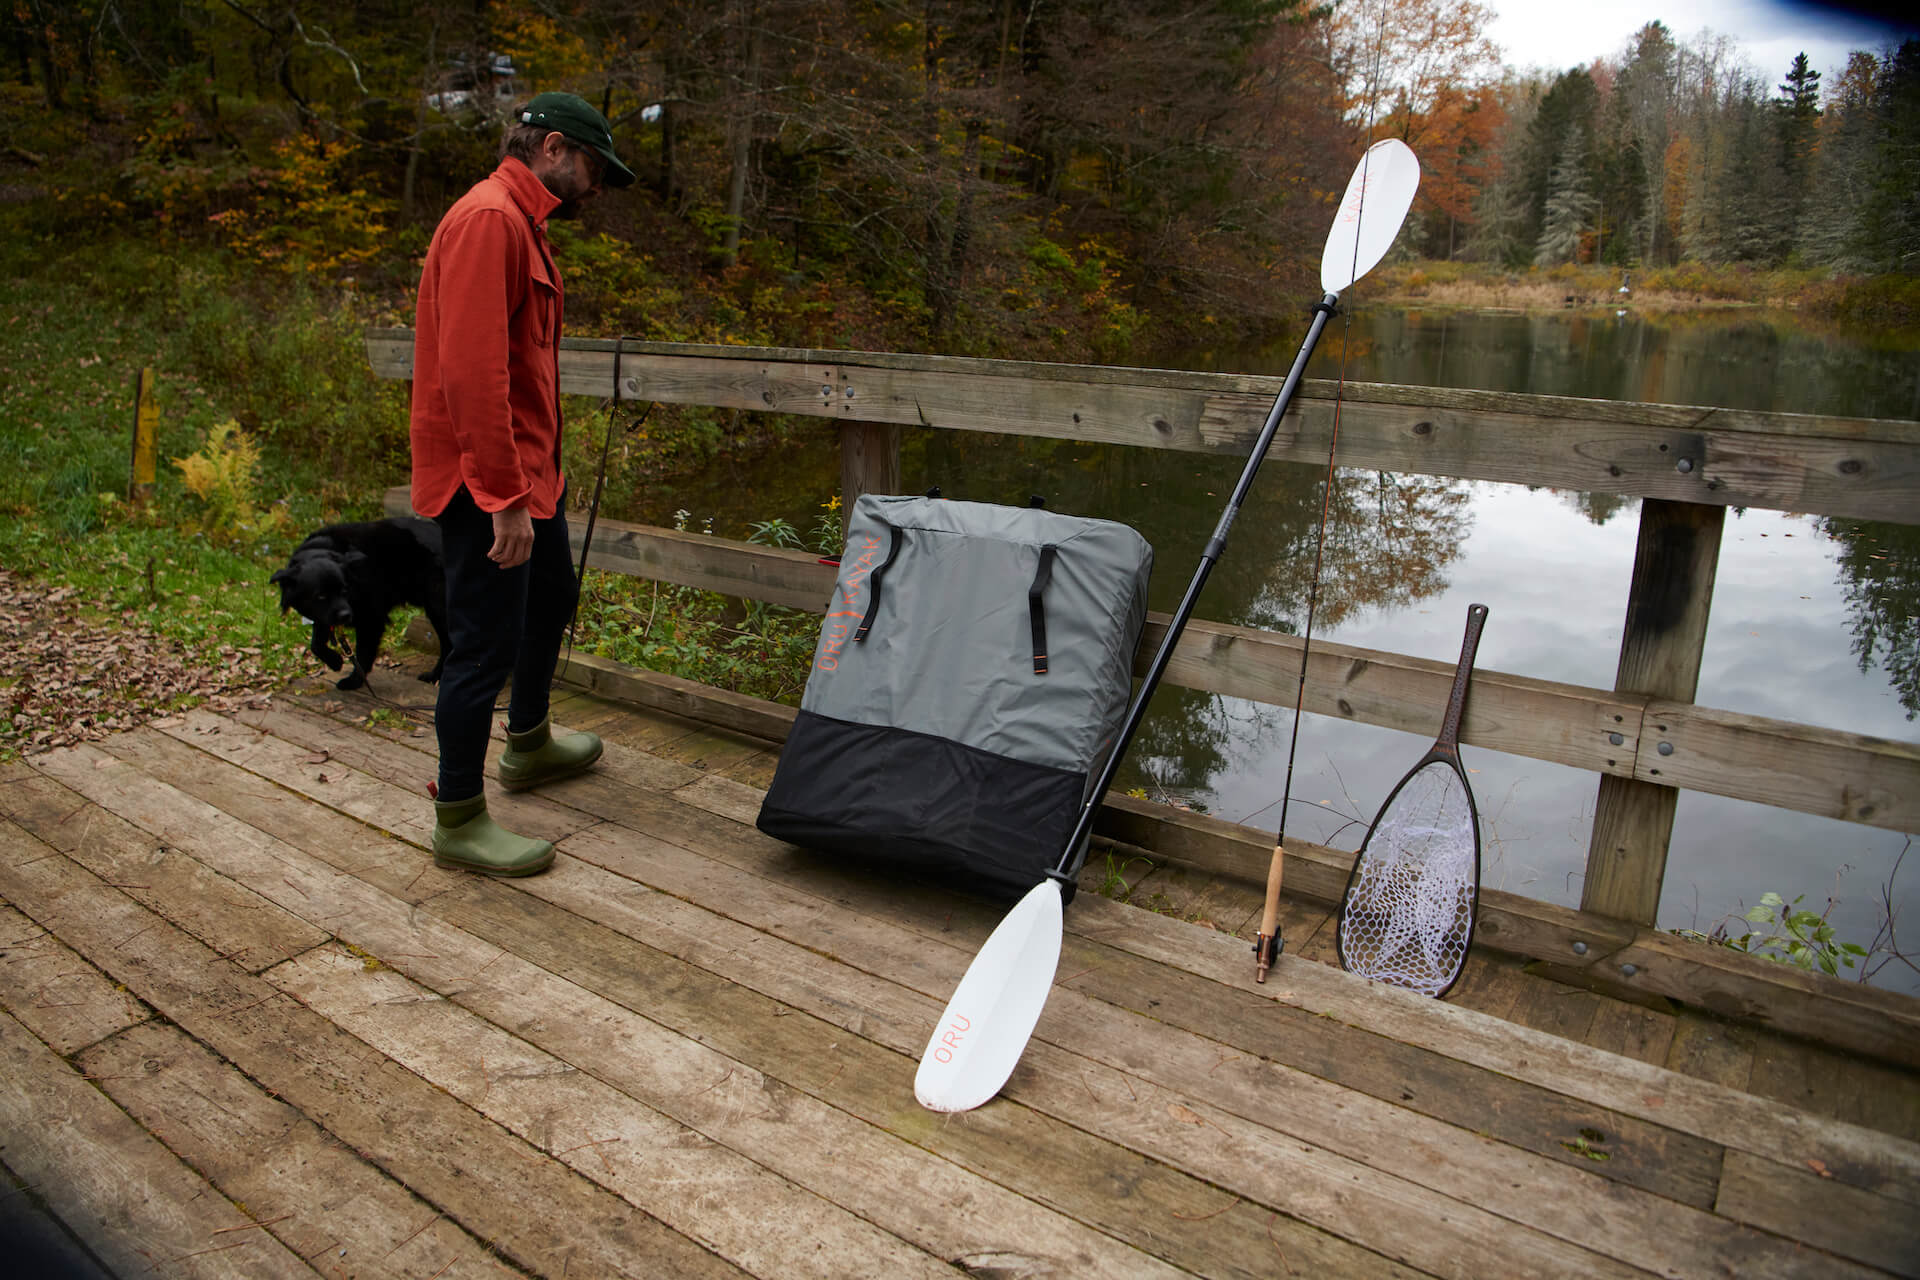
(466,839)
(536,756)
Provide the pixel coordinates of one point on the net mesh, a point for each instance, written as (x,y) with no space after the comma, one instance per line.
(1408,914)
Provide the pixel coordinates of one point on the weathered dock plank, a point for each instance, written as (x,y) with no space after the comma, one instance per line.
(134,1204)
(54,993)
(235,922)
(321,1200)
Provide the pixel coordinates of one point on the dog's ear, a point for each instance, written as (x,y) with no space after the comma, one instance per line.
(281,575)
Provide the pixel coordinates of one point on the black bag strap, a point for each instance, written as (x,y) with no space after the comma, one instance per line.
(873,582)
(1037,610)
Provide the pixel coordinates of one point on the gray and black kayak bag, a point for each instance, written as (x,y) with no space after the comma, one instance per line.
(974,667)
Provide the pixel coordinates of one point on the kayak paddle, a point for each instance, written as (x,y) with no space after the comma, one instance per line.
(986,1025)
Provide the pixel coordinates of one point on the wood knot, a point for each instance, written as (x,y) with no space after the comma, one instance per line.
(1346,708)
(1164,427)
(1423,428)
(1851,467)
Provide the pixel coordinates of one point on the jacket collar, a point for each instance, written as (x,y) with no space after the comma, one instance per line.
(527,191)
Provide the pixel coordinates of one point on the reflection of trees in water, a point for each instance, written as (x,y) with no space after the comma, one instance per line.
(1390,538)
(1598,507)
(1880,576)
(1181,745)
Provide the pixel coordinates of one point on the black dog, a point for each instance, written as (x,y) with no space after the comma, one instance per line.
(354,575)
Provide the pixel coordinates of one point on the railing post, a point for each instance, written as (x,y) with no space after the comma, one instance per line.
(1660,652)
(869,462)
(146,437)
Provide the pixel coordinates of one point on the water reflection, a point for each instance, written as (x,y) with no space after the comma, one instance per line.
(1880,577)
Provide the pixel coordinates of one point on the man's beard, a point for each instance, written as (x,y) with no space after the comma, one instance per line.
(569,192)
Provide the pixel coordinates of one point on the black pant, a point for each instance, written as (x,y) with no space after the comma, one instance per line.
(500,623)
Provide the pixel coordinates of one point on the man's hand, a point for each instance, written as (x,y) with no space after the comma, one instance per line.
(512,537)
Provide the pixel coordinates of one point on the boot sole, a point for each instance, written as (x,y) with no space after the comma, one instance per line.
(499,873)
(523,784)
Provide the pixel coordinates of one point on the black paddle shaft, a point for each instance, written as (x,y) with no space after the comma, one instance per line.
(1216,545)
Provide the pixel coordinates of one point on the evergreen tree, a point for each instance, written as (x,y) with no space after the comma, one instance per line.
(1502,210)
(1891,220)
(1796,120)
(1568,105)
(1843,171)
(1754,196)
(1570,206)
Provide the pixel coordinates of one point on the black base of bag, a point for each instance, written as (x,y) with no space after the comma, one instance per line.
(905,798)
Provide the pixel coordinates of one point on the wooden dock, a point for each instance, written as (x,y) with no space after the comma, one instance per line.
(249,1030)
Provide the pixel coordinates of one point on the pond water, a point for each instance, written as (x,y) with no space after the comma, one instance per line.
(1812,620)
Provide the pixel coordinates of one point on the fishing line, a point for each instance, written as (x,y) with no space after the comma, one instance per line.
(599,484)
(1267,946)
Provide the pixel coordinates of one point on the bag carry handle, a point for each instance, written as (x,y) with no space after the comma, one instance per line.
(1037,610)
(873,582)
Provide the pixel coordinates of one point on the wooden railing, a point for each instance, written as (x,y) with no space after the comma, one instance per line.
(1645,738)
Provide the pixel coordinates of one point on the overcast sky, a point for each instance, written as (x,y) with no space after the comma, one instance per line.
(1557,36)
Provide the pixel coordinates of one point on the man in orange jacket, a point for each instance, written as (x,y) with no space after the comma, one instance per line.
(486,468)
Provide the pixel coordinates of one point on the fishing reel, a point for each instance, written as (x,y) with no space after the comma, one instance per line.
(1266,952)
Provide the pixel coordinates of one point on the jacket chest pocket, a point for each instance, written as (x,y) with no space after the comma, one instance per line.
(543,305)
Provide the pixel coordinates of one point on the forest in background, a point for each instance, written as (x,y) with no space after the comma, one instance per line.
(977,176)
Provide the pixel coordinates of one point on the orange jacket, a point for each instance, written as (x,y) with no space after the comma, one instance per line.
(486,352)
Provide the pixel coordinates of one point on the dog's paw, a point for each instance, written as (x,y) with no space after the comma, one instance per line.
(352,680)
(329,657)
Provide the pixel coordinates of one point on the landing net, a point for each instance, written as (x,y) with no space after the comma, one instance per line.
(1408,913)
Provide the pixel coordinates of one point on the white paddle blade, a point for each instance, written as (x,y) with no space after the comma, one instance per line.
(1378,197)
(987,1024)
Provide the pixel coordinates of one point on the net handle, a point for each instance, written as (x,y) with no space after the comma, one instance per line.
(1449,739)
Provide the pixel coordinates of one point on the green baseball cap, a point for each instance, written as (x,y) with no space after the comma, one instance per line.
(574,116)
